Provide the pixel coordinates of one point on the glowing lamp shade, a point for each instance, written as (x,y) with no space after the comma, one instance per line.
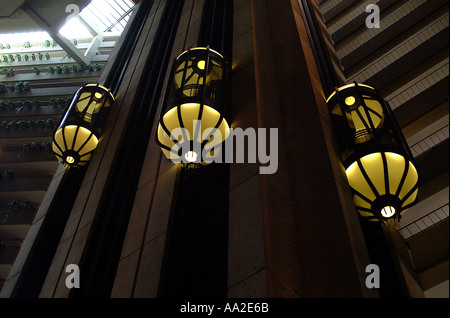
(361,107)
(192,132)
(78,134)
(192,125)
(74,145)
(384,185)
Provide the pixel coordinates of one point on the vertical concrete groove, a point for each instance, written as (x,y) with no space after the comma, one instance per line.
(142,244)
(188,26)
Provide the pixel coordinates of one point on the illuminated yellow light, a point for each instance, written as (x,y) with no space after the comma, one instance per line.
(189,74)
(349,101)
(192,78)
(189,113)
(363,115)
(410,199)
(189,121)
(103,88)
(357,181)
(201,65)
(364,118)
(78,139)
(90,102)
(375,171)
(347,86)
(191,156)
(388,211)
(200,48)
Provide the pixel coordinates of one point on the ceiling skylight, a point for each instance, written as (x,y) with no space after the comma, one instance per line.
(110,16)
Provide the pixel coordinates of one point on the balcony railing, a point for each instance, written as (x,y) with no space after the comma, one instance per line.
(430,141)
(424,222)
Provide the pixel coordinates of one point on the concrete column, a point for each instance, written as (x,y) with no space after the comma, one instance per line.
(312,239)
(141,264)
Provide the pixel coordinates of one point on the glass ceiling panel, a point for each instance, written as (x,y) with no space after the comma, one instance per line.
(110,16)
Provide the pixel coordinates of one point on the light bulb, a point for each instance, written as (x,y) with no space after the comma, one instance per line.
(191,156)
(349,101)
(201,65)
(388,211)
